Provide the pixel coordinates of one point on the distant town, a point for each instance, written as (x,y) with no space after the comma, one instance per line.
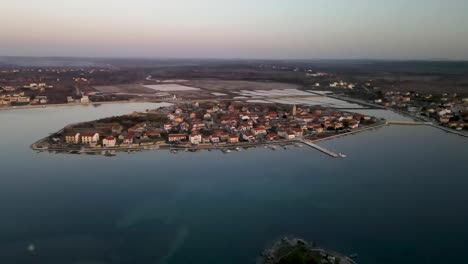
(22,87)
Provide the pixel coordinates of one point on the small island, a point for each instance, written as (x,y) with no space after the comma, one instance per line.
(225,125)
(298,251)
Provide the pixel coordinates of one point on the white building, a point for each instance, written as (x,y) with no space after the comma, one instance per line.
(195,139)
(85,99)
(109,141)
(90,138)
(73,138)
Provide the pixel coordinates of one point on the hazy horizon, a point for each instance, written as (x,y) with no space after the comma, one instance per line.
(209,29)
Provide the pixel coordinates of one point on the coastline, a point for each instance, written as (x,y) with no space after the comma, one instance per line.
(222,146)
(6,108)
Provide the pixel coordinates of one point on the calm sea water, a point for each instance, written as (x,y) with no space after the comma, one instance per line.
(399,197)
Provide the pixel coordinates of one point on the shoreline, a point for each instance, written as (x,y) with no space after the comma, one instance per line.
(188,147)
(7,108)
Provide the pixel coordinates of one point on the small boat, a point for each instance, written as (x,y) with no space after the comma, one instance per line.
(173,151)
(110,153)
(353,256)
(237,149)
(272,147)
(342,155)
(226,151)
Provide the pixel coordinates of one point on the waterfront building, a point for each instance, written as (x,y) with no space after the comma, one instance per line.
(195,139)
(72,138)
(248,136)
(272,136)
(176,137)
(233,139)
(109,141)
(298,132)
(90,138)
(85,99)
(214,138)
(128,139)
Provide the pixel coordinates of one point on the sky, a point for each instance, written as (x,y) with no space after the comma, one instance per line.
(250,29)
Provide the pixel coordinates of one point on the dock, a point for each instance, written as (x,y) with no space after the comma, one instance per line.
(322,149)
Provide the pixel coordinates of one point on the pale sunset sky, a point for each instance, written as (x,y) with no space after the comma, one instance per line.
(277,29)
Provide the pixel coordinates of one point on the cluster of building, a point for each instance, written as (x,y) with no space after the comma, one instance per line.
(250,123)
(10,95)
(111,134)
(13,97)
(216,124)
(342,84)
(448,109)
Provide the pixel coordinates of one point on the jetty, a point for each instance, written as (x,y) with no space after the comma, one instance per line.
(322,149)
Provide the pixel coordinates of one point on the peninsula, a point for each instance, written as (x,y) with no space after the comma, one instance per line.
(208,125)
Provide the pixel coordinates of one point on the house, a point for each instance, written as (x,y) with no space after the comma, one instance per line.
(195,139)
(176,137)
(153,133)
(222,134)
(89,138)
(117,129)
(72,138)
(290,135)
(444,119)
(207,116)
(168,126)
(248,136)
(198,124)
(42,99)
(298,132)
(109,141)
(85,99)
(233,139)
(287,134)
(273,115)
(258,131)
(24,99)
(338,125)
(179,119)
(353,124)
(138,128)
(245,126)
(128,139)
(272,136)
(184,126)
(214,138)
